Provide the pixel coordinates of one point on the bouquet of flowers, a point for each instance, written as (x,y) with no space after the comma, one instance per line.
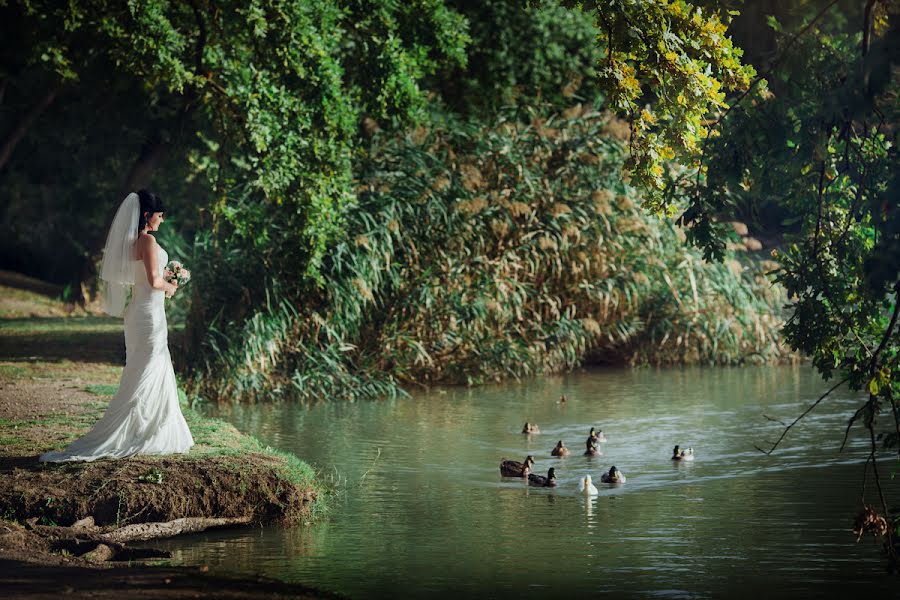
(176,273)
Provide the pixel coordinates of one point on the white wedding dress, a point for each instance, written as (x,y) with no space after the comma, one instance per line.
(144,416)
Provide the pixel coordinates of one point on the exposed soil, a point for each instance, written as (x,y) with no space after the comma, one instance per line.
(139,490)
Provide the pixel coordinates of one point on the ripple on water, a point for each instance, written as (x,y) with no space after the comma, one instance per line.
(424,511)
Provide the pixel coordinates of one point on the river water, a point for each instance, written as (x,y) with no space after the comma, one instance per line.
(422,511)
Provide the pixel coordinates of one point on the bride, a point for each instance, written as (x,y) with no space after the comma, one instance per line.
(144,416)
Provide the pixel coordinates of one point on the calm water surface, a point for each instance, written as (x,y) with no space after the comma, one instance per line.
(423,512)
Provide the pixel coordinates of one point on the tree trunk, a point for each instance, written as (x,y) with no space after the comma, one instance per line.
(138,176)
(149,531)
(19,132)
(137,532)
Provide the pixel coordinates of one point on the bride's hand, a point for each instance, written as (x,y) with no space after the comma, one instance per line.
(170,291)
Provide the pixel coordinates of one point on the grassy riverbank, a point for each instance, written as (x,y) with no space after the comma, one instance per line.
(57,374)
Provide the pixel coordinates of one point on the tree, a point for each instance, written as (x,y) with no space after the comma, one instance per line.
(260,101)
(824,146)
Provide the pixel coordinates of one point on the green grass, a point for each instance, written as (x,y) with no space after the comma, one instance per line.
(12,371)
(60,325)
(40,369)
(16,302)
(101,389)
(215,437)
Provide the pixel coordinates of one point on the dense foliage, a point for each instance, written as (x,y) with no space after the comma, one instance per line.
(260,101)
(480,251)
(668,64)
(520,54)
(819,141)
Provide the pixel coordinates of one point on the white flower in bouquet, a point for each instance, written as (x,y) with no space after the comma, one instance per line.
(176,273)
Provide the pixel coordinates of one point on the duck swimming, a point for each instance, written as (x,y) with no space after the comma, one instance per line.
(512,468)
(531,428)
(614,476)
(592,447)
(596,435)
(560,449)
(541,481)
(586,487)
(683,455)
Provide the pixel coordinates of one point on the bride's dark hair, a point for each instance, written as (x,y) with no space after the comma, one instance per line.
(150,203)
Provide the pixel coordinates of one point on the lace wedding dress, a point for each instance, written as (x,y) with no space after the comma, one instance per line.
(144,416)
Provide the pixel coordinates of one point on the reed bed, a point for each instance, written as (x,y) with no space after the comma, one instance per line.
(477,252)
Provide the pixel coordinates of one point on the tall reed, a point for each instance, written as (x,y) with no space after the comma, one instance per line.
(477,252)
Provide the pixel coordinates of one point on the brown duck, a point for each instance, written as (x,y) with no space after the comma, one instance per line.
(560,449)
(512,468)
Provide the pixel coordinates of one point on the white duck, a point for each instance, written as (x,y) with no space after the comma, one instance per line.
(586,487)
(687,454)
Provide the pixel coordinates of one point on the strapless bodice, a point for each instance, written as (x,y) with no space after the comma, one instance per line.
(141,285)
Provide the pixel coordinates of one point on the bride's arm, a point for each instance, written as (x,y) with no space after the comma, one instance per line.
(151,266)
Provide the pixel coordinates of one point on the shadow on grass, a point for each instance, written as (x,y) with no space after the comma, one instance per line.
(84,339)
(88,339)
(30,284)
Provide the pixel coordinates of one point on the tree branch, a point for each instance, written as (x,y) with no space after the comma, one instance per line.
(758,79)
(890,327)
(806,412)
(867,26)
(850,424)
(19,132)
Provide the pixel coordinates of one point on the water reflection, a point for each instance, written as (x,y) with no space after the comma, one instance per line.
(424,511)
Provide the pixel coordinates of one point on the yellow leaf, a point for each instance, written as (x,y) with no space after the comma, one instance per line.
(873,387)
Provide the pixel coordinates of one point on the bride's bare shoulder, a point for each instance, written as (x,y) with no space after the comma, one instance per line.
(145,241)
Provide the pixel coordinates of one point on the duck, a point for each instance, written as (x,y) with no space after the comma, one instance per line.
(613,476)
(596,435)
(512,468)
(592,447)
(531,428)
(541,481)
(586,487)
(562,399)
(560,449)
(683,454)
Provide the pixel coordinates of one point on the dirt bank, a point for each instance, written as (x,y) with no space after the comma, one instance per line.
(56,377)
(227,474)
